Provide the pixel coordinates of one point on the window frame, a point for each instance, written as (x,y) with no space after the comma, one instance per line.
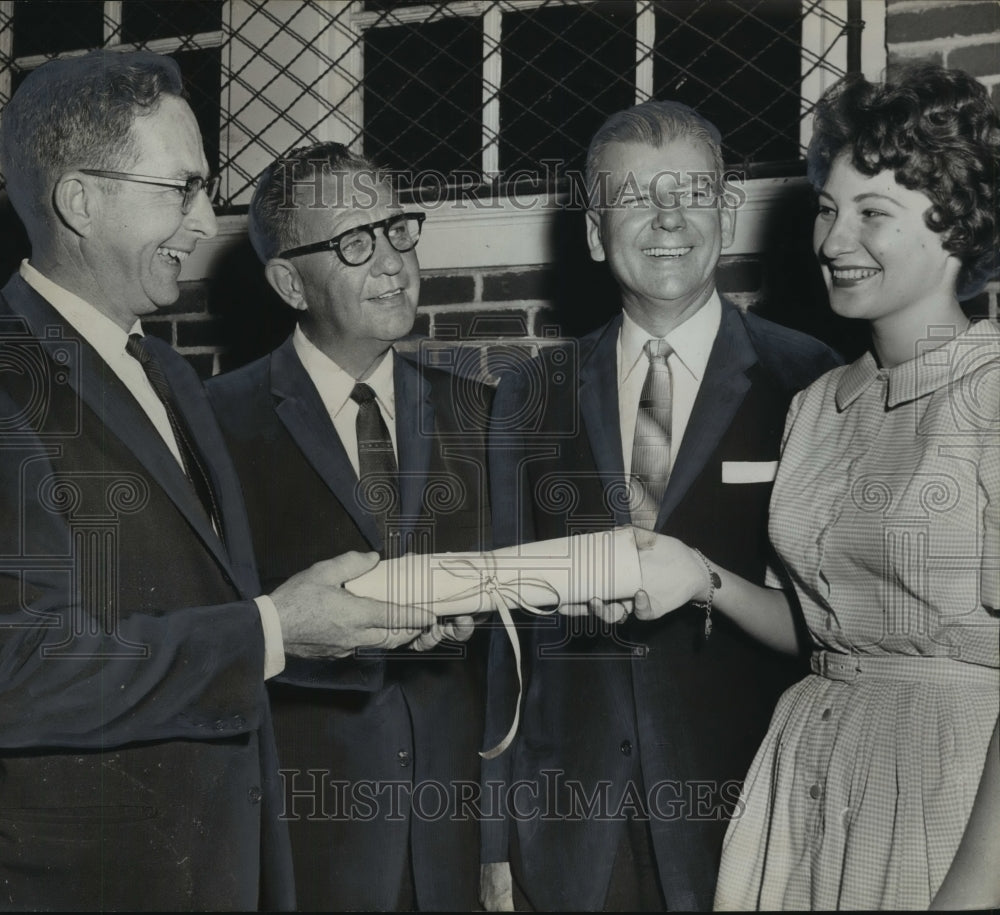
(464,233)
(111,25)
(516,230)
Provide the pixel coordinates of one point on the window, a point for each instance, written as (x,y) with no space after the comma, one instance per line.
(511,87)
(561,68)
(491,93)
(34,31)
(489,100)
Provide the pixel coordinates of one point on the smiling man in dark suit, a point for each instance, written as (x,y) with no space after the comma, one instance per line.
(343,443)
(634,735)
(137,763)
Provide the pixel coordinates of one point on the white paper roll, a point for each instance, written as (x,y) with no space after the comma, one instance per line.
(547,573)
(536,577)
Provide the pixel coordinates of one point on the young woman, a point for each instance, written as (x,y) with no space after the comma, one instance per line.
(878,784)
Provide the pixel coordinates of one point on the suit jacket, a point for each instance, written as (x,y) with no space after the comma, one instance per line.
(373,748)
(137,764)
(643,718)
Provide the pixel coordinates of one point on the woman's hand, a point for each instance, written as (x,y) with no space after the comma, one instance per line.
(672,575)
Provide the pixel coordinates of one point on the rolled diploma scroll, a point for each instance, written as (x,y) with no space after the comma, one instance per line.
(536,577)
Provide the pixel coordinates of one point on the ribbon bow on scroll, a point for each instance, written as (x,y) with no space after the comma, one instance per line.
(504,598)
(537,577)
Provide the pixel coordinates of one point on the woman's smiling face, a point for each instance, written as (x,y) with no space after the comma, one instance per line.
(877,254)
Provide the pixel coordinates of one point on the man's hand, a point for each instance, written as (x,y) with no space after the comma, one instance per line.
(322,619)
(613,611)
(495,887)
(451,628)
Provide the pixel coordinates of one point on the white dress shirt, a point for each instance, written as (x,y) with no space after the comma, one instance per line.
(691,343)
(335,386)
(109,340)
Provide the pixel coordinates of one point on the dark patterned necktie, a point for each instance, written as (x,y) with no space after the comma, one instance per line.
(651,445)
(377,469)
(194,466)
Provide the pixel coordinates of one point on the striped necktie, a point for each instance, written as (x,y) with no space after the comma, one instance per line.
(651,445)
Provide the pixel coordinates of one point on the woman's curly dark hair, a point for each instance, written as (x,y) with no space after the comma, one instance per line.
(938,132)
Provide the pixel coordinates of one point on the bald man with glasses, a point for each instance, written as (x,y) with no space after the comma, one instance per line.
(344,443)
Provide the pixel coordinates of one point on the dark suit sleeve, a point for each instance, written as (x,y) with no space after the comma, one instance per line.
(79,670)
(795,358)
(366,675)
(512,411)
(243,408)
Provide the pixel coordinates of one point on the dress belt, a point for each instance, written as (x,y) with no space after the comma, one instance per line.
(847,667)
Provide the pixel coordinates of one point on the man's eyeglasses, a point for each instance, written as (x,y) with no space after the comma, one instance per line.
(357,245)
(189,187)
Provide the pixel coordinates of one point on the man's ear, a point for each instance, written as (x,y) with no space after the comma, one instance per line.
(285,280)
(75,203)
(594,235)
(727,218)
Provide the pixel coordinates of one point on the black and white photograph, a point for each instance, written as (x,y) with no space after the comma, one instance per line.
(499,455)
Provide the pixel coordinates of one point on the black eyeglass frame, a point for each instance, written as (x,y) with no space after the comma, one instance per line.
(190,186)
(333,244)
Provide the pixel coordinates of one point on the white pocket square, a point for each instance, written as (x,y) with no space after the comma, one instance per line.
(748,471)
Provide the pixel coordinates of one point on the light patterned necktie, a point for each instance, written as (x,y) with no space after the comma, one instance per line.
(651,445)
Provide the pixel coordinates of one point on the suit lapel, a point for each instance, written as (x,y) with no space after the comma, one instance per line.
(599,408)
(193,405)
(720,394)
(104,393)
(301,410)
(414,435)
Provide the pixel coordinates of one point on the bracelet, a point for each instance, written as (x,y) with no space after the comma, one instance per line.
(714,583)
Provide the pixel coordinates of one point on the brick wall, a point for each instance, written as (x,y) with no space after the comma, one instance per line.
(954,33)
(224,323)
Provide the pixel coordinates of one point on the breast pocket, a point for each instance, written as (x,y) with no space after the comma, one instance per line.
(746,472)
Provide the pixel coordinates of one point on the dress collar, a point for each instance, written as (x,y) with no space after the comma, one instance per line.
(935,365)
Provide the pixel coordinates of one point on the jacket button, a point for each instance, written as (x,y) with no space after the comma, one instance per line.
(404,758)
(815,791)
(253,795)
(626,747)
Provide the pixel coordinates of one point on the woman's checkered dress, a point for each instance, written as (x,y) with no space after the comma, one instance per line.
(886,515)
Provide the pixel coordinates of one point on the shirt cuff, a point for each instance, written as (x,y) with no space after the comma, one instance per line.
(274,644)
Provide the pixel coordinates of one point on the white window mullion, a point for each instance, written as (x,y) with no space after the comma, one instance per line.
(112,22)
(824,51)
(873,47)
(645,36)
(6,47)
(492,75)
(343,84)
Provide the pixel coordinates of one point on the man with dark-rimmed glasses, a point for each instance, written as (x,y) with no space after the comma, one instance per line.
(344,442)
